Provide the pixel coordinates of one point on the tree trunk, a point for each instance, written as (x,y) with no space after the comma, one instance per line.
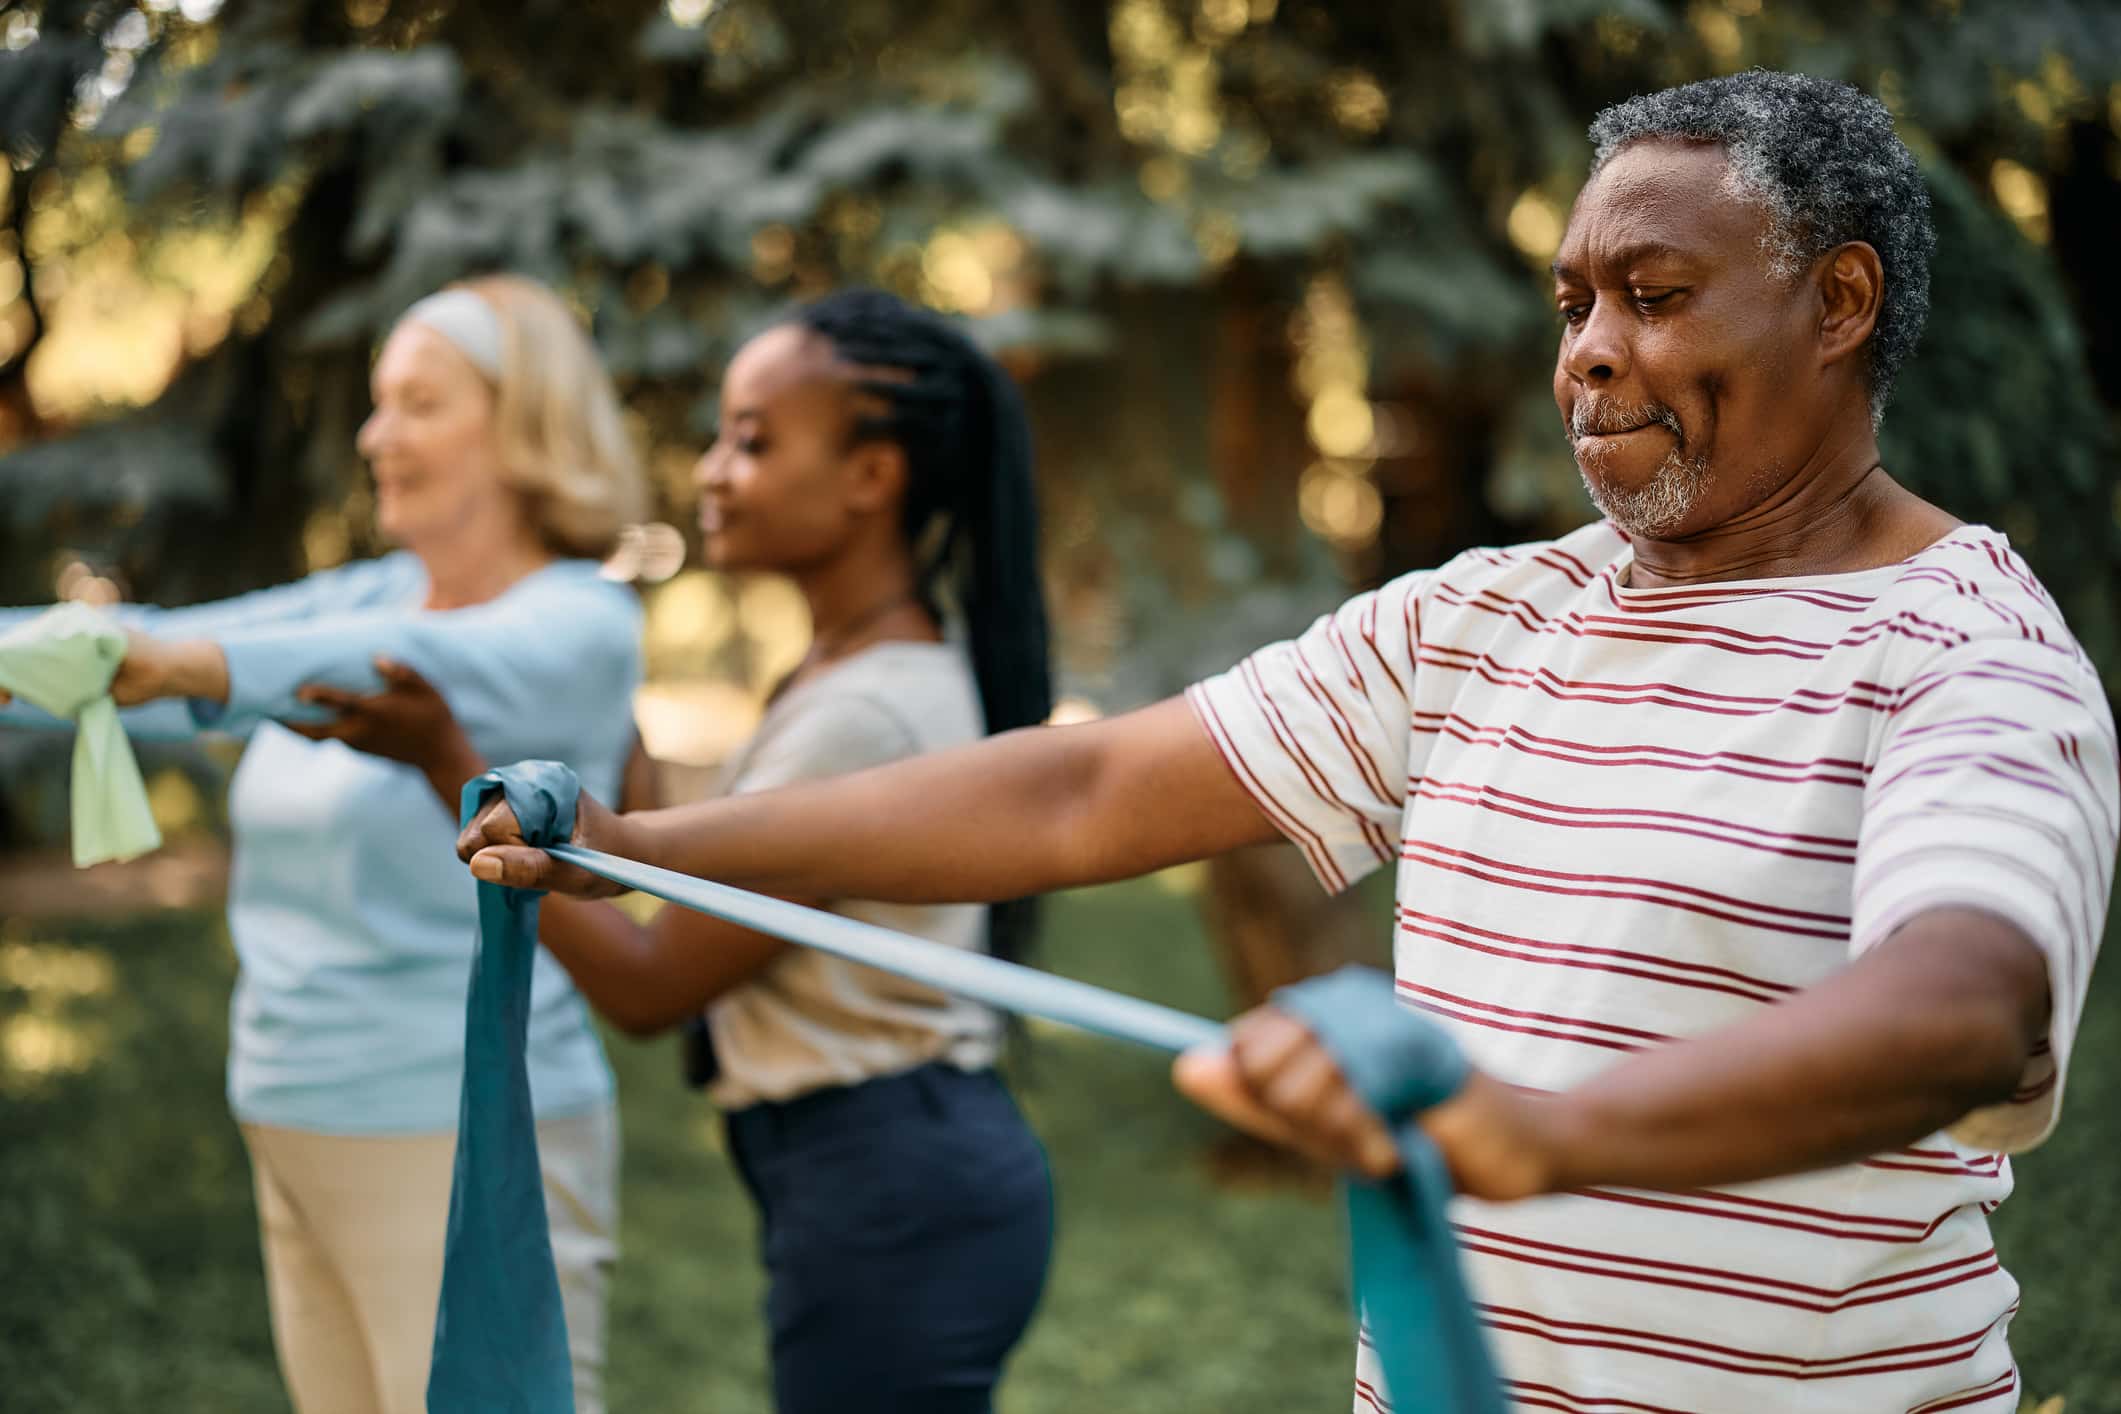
(1273,925)
(279,419)
(1270,922)
(2086,211)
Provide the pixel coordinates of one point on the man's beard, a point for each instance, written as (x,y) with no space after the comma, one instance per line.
(1661,504)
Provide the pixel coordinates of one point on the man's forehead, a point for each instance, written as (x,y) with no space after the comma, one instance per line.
(1666,196)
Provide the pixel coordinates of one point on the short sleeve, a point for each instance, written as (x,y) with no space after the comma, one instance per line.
(829,734)
(1995,789)
(1317,729)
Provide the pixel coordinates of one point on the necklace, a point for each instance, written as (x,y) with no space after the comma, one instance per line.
(824,650)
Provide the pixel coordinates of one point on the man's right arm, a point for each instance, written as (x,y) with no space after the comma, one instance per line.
(1022,813)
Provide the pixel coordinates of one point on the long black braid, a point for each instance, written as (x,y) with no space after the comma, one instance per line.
(970,503)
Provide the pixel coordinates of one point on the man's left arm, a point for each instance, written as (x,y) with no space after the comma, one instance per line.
(1935,1023)
(1984,867)
(1929,1026)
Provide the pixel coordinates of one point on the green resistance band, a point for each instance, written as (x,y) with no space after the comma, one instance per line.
(62,662)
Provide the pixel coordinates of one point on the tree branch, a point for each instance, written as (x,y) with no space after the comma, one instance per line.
(1064,72)
(13,367)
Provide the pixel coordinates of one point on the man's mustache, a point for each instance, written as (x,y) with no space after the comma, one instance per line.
(1597,416)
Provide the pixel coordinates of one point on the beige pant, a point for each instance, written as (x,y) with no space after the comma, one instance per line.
(353,1229)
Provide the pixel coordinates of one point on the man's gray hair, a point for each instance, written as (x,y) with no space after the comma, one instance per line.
(1823,160)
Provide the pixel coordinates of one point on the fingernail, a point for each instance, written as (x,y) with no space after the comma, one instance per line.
(487,869)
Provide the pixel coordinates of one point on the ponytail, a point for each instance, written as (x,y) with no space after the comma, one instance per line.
(971,505)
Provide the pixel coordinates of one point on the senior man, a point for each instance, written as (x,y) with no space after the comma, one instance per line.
(1754,842)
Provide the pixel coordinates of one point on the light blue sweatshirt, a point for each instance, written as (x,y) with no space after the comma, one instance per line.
(352,918)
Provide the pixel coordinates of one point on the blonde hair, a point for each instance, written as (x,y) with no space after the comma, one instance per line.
(556,422)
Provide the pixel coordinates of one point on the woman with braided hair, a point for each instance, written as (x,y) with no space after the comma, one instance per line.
(872,454)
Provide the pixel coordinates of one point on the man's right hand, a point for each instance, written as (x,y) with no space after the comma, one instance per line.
(492,844)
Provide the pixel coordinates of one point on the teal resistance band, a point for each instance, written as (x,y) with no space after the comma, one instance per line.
(500,1344)
(500,1334)
(1403,1262)
(980,976)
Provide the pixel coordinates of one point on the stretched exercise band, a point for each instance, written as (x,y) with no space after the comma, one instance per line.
(980,976)
(500,1338)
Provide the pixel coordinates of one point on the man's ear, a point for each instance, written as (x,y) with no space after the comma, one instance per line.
(1851,283)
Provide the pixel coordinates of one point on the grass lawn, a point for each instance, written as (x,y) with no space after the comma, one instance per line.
(129,1266)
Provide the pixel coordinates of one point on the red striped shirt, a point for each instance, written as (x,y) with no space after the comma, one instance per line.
(1622,817)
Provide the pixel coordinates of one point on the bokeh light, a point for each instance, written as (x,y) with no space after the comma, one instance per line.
(2023,197)
(1535,225)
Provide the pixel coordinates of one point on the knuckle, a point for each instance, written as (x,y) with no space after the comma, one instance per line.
(1284,1095)
(1346,1115)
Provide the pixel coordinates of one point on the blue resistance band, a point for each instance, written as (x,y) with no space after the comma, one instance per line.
(500,1339)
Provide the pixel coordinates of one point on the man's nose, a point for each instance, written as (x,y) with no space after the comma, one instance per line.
(1595,352)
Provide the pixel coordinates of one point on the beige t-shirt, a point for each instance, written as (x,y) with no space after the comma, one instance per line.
(811,1020)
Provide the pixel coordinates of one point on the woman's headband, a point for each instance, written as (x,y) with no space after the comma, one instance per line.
(467,321)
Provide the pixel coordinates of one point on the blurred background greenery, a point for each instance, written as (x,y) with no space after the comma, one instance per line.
(1271,274)
(1271,270)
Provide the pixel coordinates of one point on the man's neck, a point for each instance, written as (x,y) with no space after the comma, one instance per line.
(1840,512)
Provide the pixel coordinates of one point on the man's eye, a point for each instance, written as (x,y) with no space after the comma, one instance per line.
(1650,299)
(1574,314)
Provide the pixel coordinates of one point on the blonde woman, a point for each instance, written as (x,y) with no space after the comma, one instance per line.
(502,470)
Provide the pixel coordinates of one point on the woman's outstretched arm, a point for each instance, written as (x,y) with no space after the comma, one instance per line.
(146,719)
(644,978)
(1022,813)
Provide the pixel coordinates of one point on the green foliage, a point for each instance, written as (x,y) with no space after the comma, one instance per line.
(682,181)
(125,1212)
(1995,418)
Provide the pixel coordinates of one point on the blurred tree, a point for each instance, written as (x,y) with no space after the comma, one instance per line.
(1272,269)
(1106,185)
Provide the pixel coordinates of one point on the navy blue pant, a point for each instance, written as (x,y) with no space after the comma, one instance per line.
(907,1223)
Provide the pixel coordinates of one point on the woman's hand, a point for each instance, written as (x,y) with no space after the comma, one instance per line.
(492,844)
(409,720)
(1276,1080)
(155,668)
